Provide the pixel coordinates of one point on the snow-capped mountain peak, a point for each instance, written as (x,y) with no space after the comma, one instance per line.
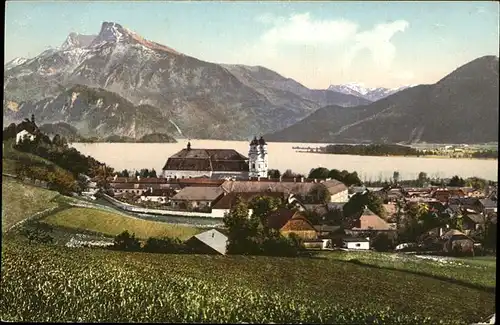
(14,63)
(115,33)
(75,40)
(370,93)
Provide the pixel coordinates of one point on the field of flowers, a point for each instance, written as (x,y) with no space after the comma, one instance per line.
(478,271)
(53,283)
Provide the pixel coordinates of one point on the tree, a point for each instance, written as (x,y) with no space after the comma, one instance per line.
(319,173)
(56,140)
(335,174)
(456,181)
(356,204)
(240,230)
(152,173)
(164,245)
(10,131)
(262,206)
(382,242)
(351,179)
(319,194)
(477,183)
(422,179)
(289,174)
(126,242)
(395,177)
(274,173)
(376,204)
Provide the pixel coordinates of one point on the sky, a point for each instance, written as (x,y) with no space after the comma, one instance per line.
(377,44)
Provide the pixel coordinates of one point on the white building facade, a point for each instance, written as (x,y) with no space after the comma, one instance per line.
(24,135)
(257,158)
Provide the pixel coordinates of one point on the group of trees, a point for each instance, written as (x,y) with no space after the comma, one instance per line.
(485,154)
(128,242)
(70,161)
(58,152)
(143,173)
(372,150)
(343,176)
(56,178)
(357,203)
(275,173)
(250,235)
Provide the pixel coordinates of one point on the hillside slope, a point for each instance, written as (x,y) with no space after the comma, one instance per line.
(202,99)
(460,108)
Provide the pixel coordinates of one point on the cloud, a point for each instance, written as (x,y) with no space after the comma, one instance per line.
(301,46)
(300,29)
(378,42)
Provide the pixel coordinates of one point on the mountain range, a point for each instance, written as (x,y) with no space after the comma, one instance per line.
(160,88)
(118,84)
(462,107)
(371,94)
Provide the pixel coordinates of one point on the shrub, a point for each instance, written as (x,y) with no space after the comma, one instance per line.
(164,245)
(383,242)
(126,242)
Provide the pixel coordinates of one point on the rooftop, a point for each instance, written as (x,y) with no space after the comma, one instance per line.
(196,193)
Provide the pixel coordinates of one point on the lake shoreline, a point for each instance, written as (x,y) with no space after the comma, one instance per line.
(281,156)
(389,156)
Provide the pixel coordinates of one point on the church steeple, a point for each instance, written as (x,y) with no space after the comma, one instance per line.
(257,158)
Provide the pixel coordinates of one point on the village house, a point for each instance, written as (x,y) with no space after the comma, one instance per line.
(370,223)
(193,197)
(455,240)
(443,194)
(24,135)
(137,189)
(301,188)
(226,202)
(472,192)
(300,226)
(158,195)
(209,242)
(473,222)
(488,205)
(356,243)
(289,221)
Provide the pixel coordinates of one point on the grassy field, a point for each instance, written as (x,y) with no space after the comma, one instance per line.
(20,201)
(112,224)
(475,272)
(108,286)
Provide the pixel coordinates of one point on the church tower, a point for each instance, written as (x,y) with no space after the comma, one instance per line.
(257,158)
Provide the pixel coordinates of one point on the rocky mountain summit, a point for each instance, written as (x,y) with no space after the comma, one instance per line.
(202,99)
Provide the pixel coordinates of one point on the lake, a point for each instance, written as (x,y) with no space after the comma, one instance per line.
(281,156)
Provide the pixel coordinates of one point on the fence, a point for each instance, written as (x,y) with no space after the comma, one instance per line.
(38,216)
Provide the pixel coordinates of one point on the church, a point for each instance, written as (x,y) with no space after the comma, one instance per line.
(218,163)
